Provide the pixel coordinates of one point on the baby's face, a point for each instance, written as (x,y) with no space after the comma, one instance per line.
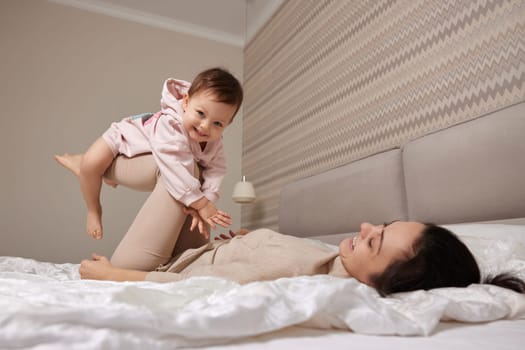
(204,118)
(377,246)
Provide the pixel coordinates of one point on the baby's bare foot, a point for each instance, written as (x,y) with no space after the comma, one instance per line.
(94,225)
(70,161)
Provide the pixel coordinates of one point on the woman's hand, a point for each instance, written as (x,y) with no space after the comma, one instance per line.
(223,236)
(99,268)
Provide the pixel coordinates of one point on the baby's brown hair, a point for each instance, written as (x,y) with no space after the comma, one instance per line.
(222,84)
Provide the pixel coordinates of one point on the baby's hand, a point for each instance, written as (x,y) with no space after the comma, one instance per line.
(215,217)
(221,218)
(197,221)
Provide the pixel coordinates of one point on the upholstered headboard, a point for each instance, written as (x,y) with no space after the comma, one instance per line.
(474,171)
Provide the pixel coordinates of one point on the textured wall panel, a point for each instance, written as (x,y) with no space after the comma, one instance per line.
(328,82)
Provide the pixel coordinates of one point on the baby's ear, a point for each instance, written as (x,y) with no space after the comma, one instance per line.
(185,99)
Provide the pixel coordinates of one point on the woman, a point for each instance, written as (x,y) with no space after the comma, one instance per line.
(395,257)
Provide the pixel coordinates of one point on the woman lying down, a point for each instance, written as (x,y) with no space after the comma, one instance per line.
(395,257)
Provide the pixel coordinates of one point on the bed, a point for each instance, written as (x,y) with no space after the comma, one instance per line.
(468,177)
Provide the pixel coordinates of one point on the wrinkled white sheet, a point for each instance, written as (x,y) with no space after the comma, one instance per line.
(46,306)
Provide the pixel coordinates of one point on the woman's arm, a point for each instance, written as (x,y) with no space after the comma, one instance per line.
(101,269)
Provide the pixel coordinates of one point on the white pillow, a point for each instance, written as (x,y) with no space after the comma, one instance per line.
(497,247)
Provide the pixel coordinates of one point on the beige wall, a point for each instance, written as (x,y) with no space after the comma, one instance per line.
(66,75)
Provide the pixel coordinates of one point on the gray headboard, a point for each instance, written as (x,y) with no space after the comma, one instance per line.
(474,171)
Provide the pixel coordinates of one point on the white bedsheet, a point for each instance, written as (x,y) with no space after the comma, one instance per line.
(500,335)
(46,306)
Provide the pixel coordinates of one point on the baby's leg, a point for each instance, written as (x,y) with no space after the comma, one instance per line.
(72,163)
(153,234)
(92,167)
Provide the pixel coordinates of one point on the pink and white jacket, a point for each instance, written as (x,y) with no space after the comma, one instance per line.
(163,135)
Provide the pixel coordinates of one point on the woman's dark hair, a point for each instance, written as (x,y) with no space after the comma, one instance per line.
(440,259)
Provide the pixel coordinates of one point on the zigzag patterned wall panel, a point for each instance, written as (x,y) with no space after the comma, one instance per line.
(328,82)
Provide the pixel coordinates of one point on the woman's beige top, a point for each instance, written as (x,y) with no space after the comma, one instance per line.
(258,256)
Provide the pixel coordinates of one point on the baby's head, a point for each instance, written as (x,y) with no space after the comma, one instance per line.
(221,85)
(210,104)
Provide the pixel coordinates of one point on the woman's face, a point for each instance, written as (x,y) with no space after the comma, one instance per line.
(377,246)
